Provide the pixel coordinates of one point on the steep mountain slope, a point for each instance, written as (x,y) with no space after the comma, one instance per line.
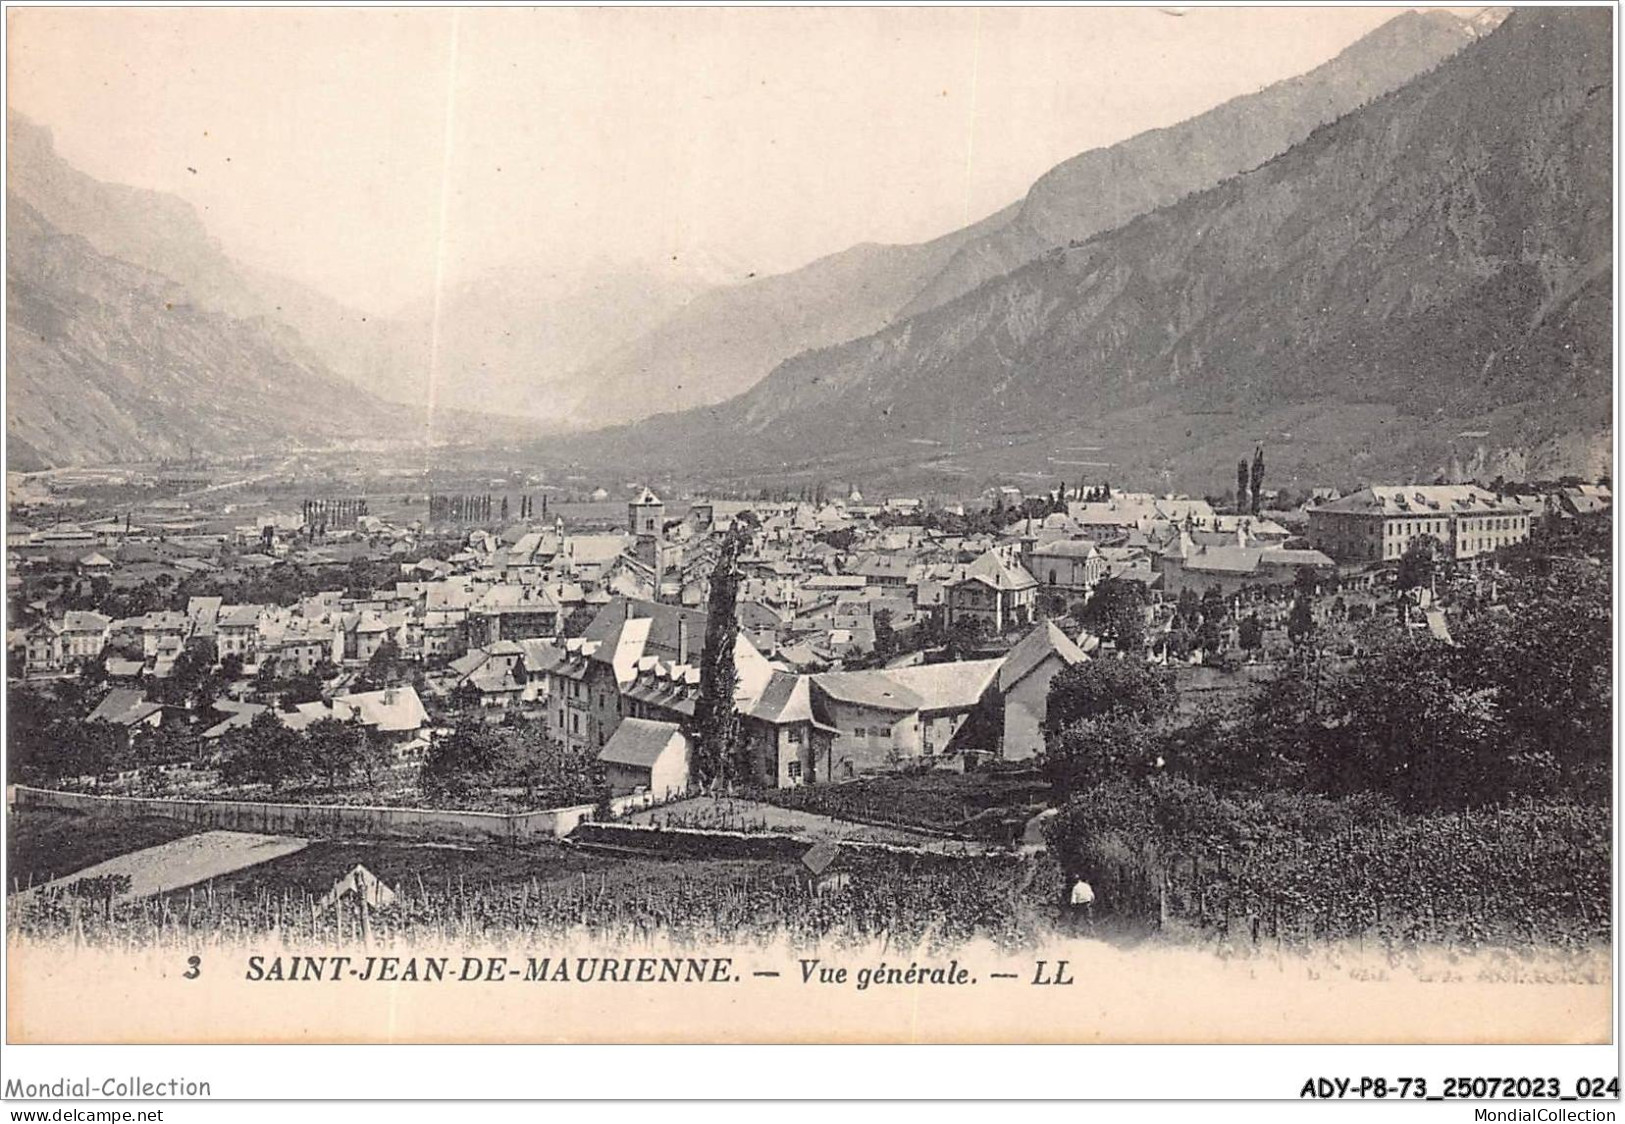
(106,360)
(1430,269)
(511,340)
(150,229)
(725,341)
(1106,187)
(507,340)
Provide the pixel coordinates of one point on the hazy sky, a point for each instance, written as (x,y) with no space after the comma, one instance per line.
(351,149)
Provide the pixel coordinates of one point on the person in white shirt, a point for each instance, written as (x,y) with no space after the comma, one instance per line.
(1083,900)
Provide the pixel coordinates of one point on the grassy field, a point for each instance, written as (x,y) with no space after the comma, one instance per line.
(457,893)
(415,867)
(43,844)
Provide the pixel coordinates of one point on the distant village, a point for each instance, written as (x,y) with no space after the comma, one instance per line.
(871,636)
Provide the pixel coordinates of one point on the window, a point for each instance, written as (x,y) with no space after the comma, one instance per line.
(861,732)
(575,723)
(795,770)
(793,735)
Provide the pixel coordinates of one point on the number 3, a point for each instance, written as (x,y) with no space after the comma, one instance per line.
(194,967)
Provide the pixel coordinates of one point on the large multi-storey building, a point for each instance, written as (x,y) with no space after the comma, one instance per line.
(1378,523)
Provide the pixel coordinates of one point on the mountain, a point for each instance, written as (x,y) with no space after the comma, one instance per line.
(1106,187)
(725,341)
(108,360)
(157,231)
(508,338)
(1430,275)
(514,339)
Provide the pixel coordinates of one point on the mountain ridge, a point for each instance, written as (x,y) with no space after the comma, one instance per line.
(725,342)
(1406,278)
(111,361)
(1083,195)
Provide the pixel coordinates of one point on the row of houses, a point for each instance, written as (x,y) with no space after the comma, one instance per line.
(638,663)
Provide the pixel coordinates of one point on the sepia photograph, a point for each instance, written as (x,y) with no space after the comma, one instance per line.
(811,525)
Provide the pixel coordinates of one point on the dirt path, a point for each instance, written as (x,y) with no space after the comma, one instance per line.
(183,862)
(733,814)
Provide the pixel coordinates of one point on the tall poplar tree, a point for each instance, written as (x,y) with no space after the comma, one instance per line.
(716,734)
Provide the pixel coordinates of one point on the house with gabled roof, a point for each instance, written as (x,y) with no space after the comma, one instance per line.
(787,743)
(646,755)
(128,709)
(1071,567)
(84,635)
(42,648)
(512,611)
(888,716)
(1024,682)
(996,590)
(1379,522)
(237,631)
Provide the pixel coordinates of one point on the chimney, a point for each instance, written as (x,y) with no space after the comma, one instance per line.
(682,638)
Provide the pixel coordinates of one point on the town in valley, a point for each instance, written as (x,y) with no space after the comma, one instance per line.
(439,526)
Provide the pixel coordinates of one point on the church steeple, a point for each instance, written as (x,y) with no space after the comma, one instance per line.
(646,515)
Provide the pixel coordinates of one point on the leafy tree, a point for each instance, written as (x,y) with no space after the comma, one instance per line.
(335,748)
(92,672)
(716,731)
(886,643)
(1101,688)
(965,636)
(1051,603)
(1413,724)
(477,758)
(1179,640)
(1092,750)
(95,748)
(841,539)
(1300,624)
(1116,611)
(265,678)
(1187,608)
(385,667)
(1548,661)
(264,752)
(1305,583)
(377,752)
(304,687)
(361,578)
(171,743)
(1417,564)
(1251,633)
(33,751)
(191,682)
(1210,635)
(466,696)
